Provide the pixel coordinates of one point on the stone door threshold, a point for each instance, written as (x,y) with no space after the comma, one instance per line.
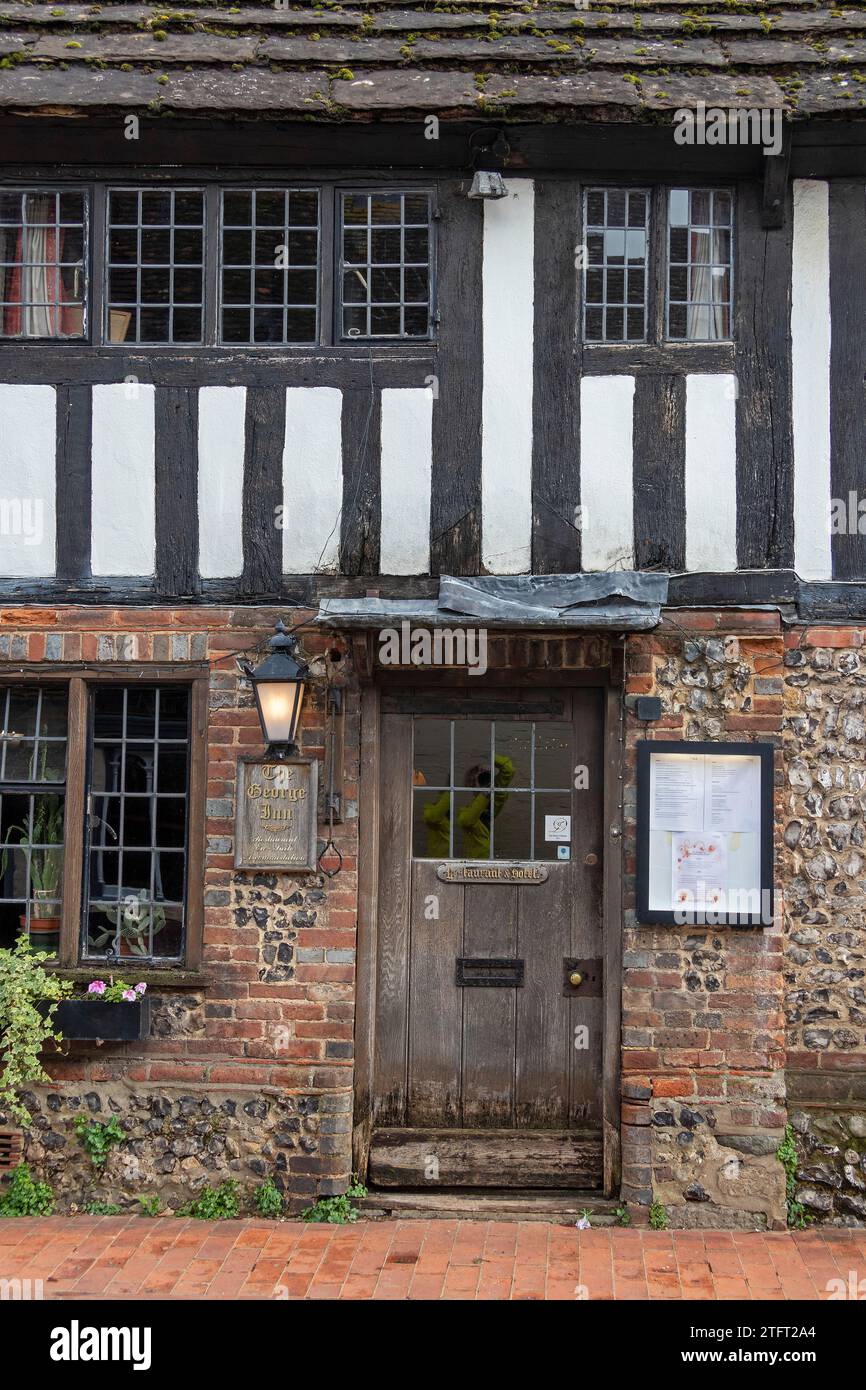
(500,1205)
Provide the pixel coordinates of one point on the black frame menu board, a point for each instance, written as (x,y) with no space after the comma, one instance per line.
(705,834)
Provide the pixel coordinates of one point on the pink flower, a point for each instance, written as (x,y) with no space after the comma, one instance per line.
(96,987)
(140,987)
(130,994)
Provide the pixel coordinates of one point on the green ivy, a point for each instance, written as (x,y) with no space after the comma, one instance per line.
(25,1028)
(787,1156)
(97,1138)
(337,1211)
(215,1203)
(24,1197)
(149,1206)
(100,1208)
(622,1216)
(268,1199)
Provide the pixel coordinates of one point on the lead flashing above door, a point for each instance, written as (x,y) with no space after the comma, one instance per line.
(623,601)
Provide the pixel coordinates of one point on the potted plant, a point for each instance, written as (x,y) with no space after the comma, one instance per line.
(46,868)
(135,921)
(112,1011)
(29,999)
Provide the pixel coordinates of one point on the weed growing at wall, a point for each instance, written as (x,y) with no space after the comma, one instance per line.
(97,1138)
(337,1211)
(215,1203)
(658,1217)
(24,1197)
(268,1199)
(787,1156)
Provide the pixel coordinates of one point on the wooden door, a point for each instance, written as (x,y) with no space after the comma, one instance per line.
(487,1064)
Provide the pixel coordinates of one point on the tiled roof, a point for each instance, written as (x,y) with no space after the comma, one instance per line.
(630,60)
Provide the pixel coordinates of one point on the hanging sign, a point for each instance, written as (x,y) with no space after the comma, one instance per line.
(705,833)
(275,814)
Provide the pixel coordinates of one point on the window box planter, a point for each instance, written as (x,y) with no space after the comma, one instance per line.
(98,1019)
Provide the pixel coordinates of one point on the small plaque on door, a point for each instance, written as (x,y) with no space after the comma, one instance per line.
(482,871)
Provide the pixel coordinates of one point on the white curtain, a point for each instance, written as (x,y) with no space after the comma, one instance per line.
(707,302)
(39,281)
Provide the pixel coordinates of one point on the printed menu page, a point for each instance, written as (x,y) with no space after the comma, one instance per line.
(700,870)
(700,793)
(732,794)
(677,791)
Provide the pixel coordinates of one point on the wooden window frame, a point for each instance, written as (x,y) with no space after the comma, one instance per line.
(343,190)
(138,306)
(96,192)
(656,350)
(53,186)
(79,681)
(287,190)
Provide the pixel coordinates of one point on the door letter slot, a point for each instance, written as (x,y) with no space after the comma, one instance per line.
(488,973)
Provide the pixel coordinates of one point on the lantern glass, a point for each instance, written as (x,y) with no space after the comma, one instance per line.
(280,705)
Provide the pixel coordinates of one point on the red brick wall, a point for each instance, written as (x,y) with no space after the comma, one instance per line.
(703,1029)
(274,1012)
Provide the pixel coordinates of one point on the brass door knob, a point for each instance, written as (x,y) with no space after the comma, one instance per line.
(575,978)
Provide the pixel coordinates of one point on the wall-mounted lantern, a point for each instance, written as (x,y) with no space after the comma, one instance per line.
(279,683)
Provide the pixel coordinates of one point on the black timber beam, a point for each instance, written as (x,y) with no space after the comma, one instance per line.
(640,150)
(776,172)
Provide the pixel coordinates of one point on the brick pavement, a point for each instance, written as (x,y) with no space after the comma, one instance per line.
(132,1257)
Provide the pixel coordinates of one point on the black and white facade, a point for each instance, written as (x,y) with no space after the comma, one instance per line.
(508,443)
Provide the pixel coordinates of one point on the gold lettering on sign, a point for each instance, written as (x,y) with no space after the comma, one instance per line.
(468,872)
(276,815)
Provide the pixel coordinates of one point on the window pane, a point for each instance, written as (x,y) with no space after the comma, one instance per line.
(33,720)
(237,209)
(283,236)
(136,859)
(432,753)
(512,824)
(615,228)
(382,236)
(513,754)
(472,748)
(43,266)
(431,825)
(384,323)
(554,756)
(700,265)
(150,232)
(31,822)
(460,812)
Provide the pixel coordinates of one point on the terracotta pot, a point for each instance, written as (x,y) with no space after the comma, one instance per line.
(42,929)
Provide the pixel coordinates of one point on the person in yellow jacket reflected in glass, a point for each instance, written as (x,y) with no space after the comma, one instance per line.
(473,819)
